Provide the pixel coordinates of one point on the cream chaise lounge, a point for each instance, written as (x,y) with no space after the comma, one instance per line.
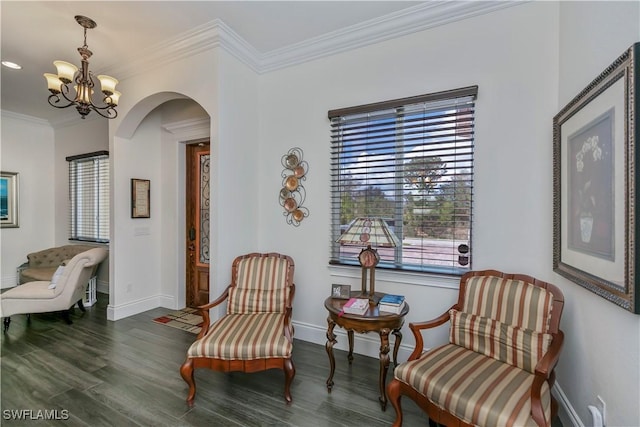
(45,296)
(42,264)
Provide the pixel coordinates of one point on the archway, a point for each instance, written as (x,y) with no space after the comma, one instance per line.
(146,259)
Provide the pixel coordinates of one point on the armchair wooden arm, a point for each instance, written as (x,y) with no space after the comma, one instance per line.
(204,310)
(548,362)
(544,372)
(417,327)
(288,326)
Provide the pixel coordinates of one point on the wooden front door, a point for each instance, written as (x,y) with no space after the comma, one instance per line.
(197,233)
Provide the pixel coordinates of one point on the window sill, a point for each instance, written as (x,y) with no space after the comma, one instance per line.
(396,276)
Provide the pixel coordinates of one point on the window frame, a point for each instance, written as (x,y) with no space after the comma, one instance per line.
(397,105)
(97,191)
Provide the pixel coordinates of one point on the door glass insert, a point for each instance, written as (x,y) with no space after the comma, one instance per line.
(203,208)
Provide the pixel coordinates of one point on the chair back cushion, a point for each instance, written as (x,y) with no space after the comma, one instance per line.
(516,346)
(262,285)
(513,302)
(53,257)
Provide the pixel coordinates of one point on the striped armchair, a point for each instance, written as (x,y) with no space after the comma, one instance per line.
(497,369)
(256,333)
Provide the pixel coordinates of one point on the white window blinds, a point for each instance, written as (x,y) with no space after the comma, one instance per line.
(410,162)
(89,197)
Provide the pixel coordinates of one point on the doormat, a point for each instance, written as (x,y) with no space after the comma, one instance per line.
(187,319)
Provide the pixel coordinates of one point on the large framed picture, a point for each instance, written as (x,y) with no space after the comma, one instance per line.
(140,198)
(595,182)
(9,199)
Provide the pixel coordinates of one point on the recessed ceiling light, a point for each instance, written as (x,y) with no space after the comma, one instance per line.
(12,65)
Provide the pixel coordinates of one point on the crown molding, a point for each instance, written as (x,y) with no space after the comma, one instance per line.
(190,129)
(202,38)
(406,21)
(73,120)
(24,117)
(217,34)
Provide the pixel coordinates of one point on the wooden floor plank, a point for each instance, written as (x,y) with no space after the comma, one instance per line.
(127,373)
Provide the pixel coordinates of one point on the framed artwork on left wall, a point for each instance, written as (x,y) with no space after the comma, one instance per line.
(9,199)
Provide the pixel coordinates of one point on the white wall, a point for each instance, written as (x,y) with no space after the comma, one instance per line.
(77,137)
(515,66)
(227,94)
(528,61)
(136,253)
(37,151)
(27,147)
(522,58)
(139,149)
(602,346)
(182,121)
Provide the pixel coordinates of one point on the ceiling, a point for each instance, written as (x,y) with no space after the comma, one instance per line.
(35,33)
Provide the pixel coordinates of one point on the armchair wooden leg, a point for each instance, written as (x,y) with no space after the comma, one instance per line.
(7,322)
(81,306)
(186,371)
(67,317)
(393,393)
(289,373)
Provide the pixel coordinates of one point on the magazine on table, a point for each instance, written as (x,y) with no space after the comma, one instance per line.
(390,299)
(356,306)
(397,309)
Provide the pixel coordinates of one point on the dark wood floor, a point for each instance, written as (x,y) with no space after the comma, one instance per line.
(125,373)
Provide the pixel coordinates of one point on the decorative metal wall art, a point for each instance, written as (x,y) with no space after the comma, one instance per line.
(293,194)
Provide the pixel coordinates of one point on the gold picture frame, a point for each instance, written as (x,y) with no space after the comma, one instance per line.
(140,198)
(9,199)
(595,182)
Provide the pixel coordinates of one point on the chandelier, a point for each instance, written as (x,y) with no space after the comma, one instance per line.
(82,80)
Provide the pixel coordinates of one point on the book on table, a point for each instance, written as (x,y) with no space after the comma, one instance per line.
(356,306)
(397,309)
(390,299)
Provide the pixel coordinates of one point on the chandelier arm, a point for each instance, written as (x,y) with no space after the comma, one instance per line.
(55,98)
(111,113)
(64,91)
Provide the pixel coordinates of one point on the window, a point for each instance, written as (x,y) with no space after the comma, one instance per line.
(410,162)
(89,197)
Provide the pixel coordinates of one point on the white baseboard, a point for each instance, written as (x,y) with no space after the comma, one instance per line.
(568,416)
(8,281)
(139,306)
(369,345)
(168,301)
(365,344)
(103,287)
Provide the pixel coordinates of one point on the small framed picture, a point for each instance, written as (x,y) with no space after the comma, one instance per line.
(140,198)
(340,291)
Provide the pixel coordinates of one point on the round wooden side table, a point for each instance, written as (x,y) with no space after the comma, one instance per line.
(372,321)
